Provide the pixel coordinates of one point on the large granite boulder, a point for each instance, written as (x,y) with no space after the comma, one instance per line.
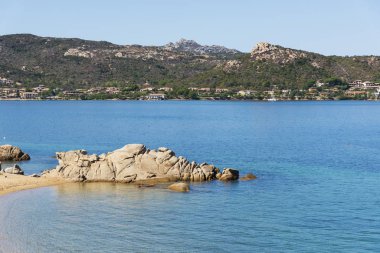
(179,187)
(14,170)
(133,162)
(12,153)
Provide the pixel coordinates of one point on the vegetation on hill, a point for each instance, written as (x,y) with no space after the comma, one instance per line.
(76,63)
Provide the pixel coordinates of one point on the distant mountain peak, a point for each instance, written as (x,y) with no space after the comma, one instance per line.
(192,46)
(183,45)
(263,47)
(186,42)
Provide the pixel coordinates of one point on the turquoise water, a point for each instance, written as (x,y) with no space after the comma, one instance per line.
(318,165)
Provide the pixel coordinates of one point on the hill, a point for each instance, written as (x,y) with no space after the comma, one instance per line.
(77,63)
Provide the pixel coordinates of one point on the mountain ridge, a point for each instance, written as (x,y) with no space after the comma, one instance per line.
(181,40)
(73,62)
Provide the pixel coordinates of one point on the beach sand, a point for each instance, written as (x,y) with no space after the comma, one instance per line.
(12,183)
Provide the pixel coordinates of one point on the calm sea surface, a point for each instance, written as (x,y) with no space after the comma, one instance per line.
(318,186)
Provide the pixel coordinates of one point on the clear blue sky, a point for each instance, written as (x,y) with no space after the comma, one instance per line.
(341,27)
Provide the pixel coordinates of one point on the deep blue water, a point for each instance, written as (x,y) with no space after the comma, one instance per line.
(318,168)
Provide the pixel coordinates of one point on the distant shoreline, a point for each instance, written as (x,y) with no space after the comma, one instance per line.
(224,100)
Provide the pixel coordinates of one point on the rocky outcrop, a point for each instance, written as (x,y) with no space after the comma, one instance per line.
(191,46)
(277,54)
(79,52)
(263,47)
(231,66)
(134,162)
(14,170)
(12,153)
(179,187)
(229,175)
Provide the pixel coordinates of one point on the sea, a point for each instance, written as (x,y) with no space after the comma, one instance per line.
(317,188)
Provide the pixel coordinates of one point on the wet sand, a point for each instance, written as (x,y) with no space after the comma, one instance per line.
(12,183)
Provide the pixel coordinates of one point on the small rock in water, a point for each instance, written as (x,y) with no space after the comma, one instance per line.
(14,170)
(248,176)
(179,187)
(145,185)
(229,175)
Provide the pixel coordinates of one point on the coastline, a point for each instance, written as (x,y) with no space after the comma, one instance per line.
(12,183)
(202,99)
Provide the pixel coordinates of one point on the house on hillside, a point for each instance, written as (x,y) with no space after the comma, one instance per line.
(147,89)
(29,95)
(112,90)
(157,96)
(166,89)
(245,93)
(220,90)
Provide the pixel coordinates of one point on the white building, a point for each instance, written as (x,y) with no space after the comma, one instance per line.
(357,82)
(219,90)
(40,89)
(166,89)
(158,96)
(147,89)
(204,89)
(368,84)
(29,95)
(377,93)
(244,93)
(319,84)
(112,90)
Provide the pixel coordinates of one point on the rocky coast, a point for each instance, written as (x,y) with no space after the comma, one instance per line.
(12,178)
(133,163)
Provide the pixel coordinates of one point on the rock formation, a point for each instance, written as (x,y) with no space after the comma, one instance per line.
(179,187)
(134,162)
(14,170)
(12,153)
(191,46)
(79,52)
(277,54)
(229,175)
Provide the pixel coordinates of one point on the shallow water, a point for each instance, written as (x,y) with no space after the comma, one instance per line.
(318,188)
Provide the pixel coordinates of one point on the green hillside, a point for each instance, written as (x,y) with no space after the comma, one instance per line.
(76,63)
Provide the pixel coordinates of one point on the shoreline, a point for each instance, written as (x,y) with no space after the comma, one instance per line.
(15,183)
(10,183)
(212,100)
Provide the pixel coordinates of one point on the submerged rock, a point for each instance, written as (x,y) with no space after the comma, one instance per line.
(14,170)
(248,176)
(179,187)
(12,153)
(134,162)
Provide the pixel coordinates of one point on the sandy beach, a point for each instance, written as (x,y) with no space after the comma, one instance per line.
(12,183)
